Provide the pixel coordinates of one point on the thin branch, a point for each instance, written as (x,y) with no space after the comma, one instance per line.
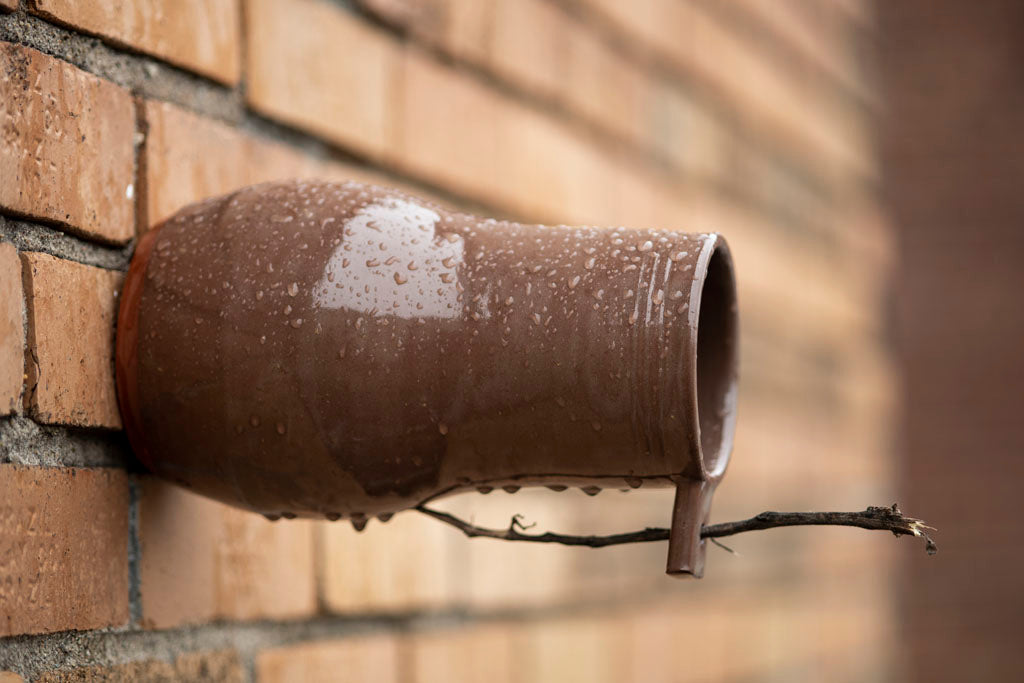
(873,518)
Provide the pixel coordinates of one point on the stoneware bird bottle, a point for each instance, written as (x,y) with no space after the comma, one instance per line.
(338,350)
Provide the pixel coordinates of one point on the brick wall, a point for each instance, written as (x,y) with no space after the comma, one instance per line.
(752,118)
(954,159)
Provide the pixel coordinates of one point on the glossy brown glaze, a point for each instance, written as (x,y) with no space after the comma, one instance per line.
(340,350)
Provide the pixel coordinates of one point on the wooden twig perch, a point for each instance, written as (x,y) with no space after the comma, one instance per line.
(874,518)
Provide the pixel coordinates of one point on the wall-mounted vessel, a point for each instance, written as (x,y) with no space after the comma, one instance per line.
(347,351)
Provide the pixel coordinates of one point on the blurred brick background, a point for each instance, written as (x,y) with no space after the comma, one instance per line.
(755,118)
(954,167)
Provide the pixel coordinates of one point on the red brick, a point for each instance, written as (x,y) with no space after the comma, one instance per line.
(586,649)
(202,561)
(557,174)
(209,667)
(697,633)
(66,152)
(63,549)
(528,44)
(690,136)
(535,46)
(338,81)
(198,35)
(71,312)
(502,152)
(353,660)
(605,88)
(801,27)
(468,23)
(481,652)
(190,158)
(12,330)
(424,18)
(778,105)
(410,563)
(460,27)
(463,158)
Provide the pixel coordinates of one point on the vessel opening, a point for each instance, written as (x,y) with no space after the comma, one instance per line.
(716,362)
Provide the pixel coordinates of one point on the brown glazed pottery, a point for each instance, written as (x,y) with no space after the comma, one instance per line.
(339,350)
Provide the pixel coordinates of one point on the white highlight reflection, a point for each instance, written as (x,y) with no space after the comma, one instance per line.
(392,261)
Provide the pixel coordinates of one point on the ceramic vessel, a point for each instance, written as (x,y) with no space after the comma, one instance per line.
(343,351)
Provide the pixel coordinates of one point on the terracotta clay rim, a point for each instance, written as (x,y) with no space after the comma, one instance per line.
(126,361)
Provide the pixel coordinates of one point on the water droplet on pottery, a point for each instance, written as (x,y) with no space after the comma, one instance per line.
(385,517)
(332,516)
(484,489)
(510,489)
(591,490)
(645,246)
(400,279)
(573,282)
(297,323)
(254,421)
(293,289)
(271,516)
(558,488)
(281,429)
(634,482)
(442,427)
(358,521)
